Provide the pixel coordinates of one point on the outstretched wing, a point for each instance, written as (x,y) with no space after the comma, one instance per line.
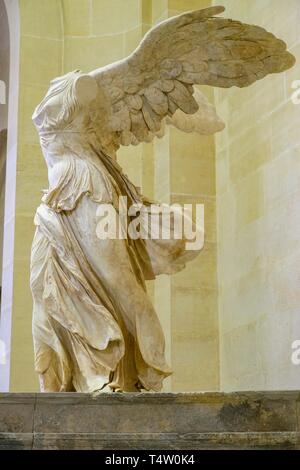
(193,48)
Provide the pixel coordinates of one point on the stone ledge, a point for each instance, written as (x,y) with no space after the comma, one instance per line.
(145,441)
(150,420)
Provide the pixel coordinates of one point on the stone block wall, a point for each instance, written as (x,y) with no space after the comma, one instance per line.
(258,221)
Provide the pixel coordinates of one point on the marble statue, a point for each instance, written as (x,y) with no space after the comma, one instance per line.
(94,327)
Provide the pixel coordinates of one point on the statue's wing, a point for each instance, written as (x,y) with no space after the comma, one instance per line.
(204,121)
(193,48)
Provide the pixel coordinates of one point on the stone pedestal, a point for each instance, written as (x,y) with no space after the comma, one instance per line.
(150,421)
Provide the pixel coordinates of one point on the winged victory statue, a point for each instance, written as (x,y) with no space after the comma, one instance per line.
(94,326)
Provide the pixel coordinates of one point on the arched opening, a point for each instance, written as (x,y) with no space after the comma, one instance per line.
(9,89)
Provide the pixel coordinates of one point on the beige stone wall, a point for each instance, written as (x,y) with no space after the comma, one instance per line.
(256,187)
(61,35)
(258,176)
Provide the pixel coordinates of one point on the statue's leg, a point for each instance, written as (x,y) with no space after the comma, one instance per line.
(53,376)
(144,339)
(110,259)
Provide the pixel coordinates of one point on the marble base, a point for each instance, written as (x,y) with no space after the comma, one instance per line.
(269,420)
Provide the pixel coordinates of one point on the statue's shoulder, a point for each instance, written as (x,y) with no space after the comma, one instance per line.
(58,104)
